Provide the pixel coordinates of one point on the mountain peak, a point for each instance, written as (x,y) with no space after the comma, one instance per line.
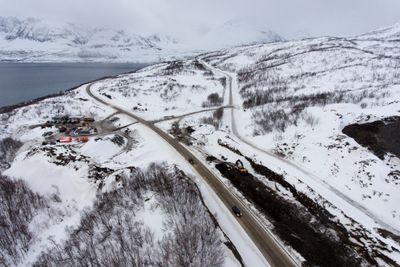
(236,32)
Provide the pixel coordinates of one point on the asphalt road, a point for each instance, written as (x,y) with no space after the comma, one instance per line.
(273,252)
(290,165)
(190,113)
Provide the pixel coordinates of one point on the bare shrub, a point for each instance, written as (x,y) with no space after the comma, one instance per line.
(218,114)
(213,100)
(18,205)
(173,68)
(223,81)
(309,119)
(210,121)
(279,119)
(112,235)
(265,87)
(8,148)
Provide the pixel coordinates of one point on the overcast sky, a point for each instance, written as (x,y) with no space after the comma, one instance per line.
(182,17)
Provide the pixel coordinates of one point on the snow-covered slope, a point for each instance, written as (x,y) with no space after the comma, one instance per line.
(292,101)
(73,182)
(296,98)
(391,33)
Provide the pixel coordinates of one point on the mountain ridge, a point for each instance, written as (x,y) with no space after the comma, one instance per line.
(38,40)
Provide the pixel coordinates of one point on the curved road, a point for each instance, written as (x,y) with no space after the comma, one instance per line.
(351,204)
(270,248)
(190,113)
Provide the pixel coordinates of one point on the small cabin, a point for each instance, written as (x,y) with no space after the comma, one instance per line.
(65,139)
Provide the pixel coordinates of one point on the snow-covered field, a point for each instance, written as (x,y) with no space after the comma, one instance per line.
(291,101)
(166,90)
(72,178)
(297,100)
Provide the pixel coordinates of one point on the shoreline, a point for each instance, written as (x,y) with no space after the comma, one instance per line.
(10,108)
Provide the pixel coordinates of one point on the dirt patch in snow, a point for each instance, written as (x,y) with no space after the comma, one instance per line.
(379,136)
(300,221)
(293,223)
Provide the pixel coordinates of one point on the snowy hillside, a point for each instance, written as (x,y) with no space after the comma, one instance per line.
(302,134)
(292,101)
(67,184)
(295,99)
(36,40)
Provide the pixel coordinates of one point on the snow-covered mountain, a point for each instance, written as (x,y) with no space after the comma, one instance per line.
(236,32)
(39,40)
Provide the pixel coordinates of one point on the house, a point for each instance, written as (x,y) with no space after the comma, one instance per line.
(83,139)
(65,139)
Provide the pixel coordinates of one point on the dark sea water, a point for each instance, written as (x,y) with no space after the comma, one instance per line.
(26,81)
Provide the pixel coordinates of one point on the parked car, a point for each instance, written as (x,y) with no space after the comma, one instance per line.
(84,132)
(93,130)
(236,211)
(45,143)
(62,129)
(74,120)
(47,134)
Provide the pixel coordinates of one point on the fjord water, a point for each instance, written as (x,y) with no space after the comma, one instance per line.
(26,81)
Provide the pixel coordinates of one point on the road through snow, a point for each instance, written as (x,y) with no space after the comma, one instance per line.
(266,243)
(328,192)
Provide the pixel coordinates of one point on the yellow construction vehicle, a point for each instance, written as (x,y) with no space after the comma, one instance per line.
(242,169)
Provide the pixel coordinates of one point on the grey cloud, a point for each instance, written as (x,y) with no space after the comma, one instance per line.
(184,17)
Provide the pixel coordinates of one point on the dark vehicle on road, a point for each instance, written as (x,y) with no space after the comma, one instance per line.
(191,161)
(237,211)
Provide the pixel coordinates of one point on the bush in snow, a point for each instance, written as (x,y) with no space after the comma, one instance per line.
(279,119)
(113,235)
(213,100)
(215,119)
(18,205)
(8,148)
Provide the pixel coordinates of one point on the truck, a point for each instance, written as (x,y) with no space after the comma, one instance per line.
(241,167)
